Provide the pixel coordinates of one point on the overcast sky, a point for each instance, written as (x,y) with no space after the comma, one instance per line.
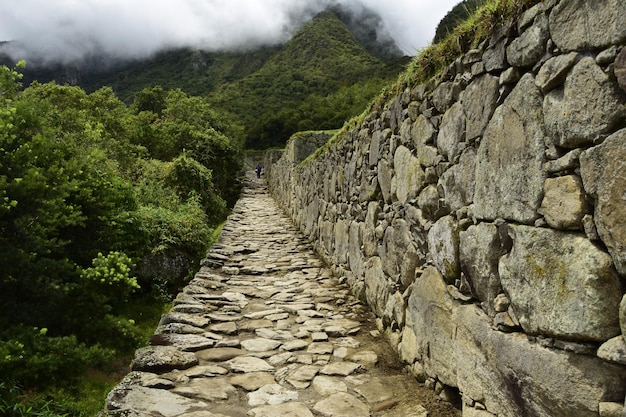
(63,30)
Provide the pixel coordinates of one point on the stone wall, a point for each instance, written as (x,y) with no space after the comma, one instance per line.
(482,216)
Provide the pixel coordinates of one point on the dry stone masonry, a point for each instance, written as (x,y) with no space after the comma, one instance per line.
(265,330)
(482,216)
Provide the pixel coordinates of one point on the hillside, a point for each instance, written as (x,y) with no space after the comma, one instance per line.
(322,77)
(326,73)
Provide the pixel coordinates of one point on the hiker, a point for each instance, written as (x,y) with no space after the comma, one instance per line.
(258,169)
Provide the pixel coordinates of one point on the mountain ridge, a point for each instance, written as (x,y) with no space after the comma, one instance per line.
(273,91)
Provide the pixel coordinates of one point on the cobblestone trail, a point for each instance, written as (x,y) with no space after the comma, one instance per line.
(264,330)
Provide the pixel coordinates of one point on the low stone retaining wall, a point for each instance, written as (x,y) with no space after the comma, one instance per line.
(482,216)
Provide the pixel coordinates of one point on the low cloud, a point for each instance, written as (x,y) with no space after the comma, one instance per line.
(68,30)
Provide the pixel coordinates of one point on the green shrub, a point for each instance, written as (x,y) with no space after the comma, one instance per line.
(35,359)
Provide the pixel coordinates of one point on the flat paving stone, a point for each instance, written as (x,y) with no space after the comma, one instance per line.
(272,394)
(342,404)
(248,364)
(260,344)
(293,409)
(252,381)
(219,354)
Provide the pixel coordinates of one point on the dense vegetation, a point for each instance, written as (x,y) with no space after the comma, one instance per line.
(91,191)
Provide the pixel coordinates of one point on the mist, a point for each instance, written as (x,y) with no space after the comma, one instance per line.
(64,31)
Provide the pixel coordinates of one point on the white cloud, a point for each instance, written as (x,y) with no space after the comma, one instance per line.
(68,29)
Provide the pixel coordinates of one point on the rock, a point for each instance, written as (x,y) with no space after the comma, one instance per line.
(148,401)
(599,166)
(291,409)
(554,278)
(399,255)
(356,259)
(395,310)
(179,328)
(341,368)
(254,324)
(204,413)
(341,404)
(588,106)
(564,204)
(568,162)
(501,303)
(342,241)
(294,345)
(385,175)
(376,286)
(428,200)
(263,313)
(622,316)
(509,167)
(374,151)
(459,181)
(365,358)
(223,317)
(443,246)
(209,390)
(515,377)
(225,328)
(494,58)
(479,251)
(408,174)
(451,132)
(260,344)
(614,350)
(325,385)
(607,409)
(185,318)
(375,391)
(205,371)
(479,102)
(319,337)
(160,359)
(272,394)
(370,242)
(553,72)
(530,46)
(510,76)
(184,342)
(252,381)
(578,25)
(302,376)
(248,364)
(620,69)
(320,348)
(444,95)
(423,132)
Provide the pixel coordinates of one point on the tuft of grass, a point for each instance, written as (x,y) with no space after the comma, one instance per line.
(216,233)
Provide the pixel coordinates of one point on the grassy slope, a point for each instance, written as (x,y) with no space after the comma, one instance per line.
(319,60)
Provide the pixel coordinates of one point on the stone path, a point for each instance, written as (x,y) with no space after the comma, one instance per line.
(264,330)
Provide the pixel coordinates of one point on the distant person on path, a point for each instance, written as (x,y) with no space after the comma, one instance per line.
(258,169)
